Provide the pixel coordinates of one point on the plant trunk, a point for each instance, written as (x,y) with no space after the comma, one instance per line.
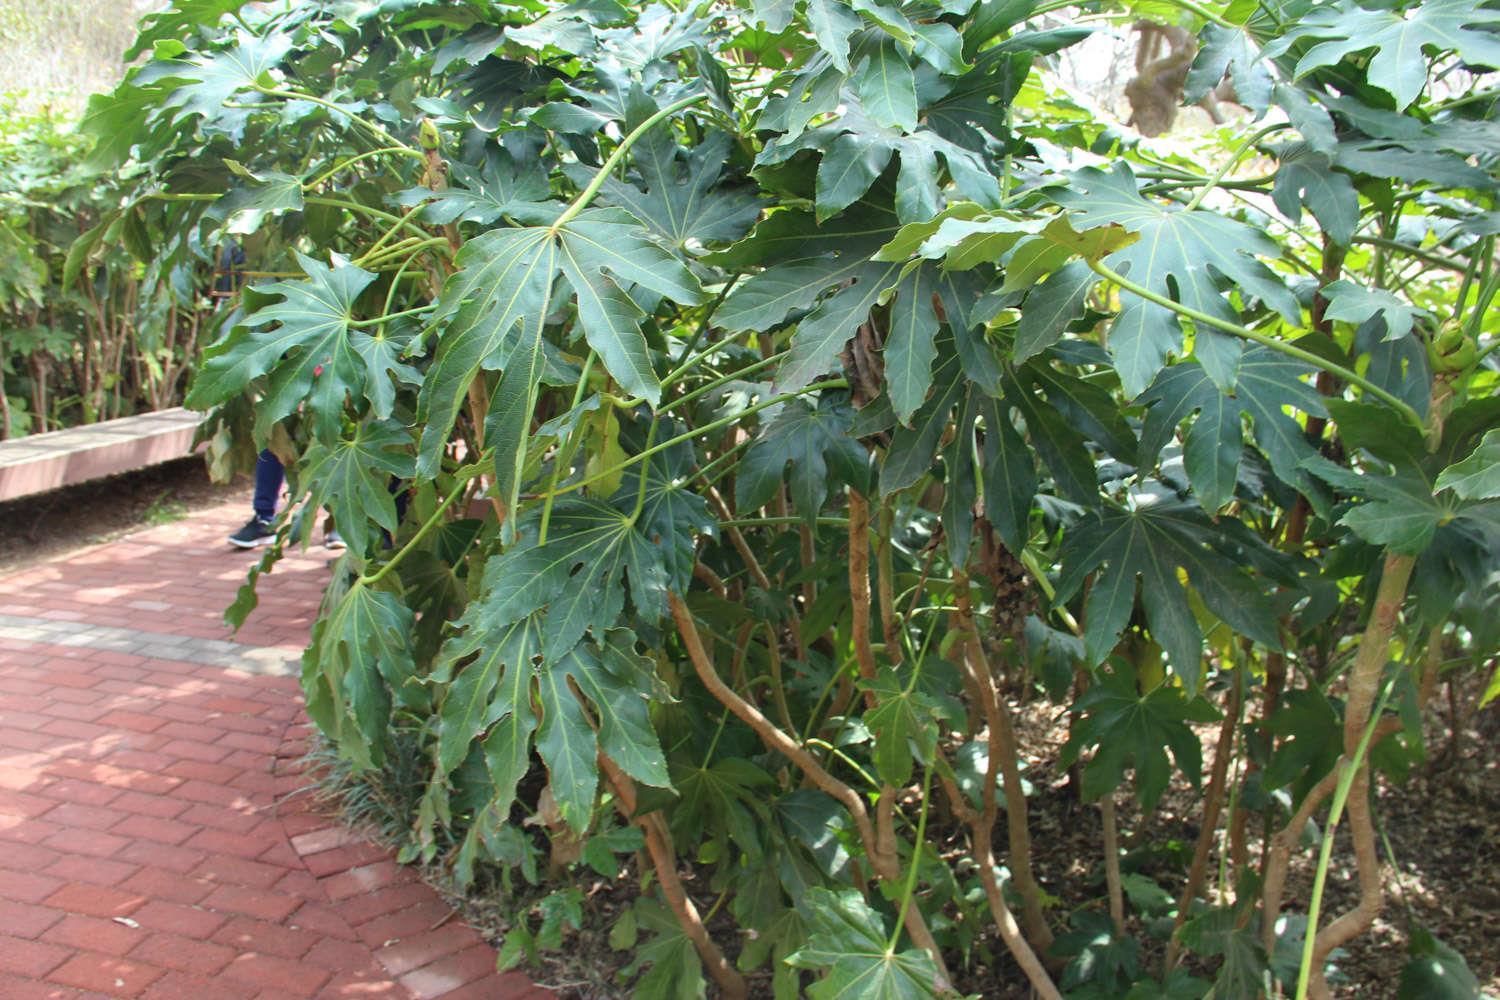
(664,860)
(1112,864)
(784,744)
(1213,801)
(1364,685)
(1002,748)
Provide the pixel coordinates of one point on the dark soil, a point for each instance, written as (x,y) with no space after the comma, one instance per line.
(50,525)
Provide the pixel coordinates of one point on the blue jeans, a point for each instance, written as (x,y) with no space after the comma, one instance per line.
(269,475)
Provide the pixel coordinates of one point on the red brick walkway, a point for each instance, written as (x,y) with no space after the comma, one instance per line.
(150,843)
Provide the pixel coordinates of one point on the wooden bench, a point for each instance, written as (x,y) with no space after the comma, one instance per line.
(44,462)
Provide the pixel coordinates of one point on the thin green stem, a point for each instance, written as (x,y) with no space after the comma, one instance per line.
(708,428)
(1290,350)
(378,320)
(640,493)
(339,168)
(703,324)
(1407,249)
(388,235)
(1349,770)
(565,454)
(1232,162)
(391,141)
(374,213)
(916,859)
(749,369)
(683,367)
(407,248)
(432,522)
(602,174)
(852,764)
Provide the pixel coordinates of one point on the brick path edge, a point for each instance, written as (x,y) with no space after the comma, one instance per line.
(156,842)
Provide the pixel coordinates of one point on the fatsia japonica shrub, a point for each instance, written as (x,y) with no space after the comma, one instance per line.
(734,412)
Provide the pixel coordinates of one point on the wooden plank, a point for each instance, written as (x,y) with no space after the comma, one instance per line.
(44,462)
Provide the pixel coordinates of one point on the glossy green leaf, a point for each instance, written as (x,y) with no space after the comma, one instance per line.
(1154,539)
(1129,728)
(1181,255)
(846,942)
(815,442)
(1478,476)
(352,477)
(1403,40)
(305,341)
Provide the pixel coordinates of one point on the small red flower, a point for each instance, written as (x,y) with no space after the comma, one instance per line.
(317,370)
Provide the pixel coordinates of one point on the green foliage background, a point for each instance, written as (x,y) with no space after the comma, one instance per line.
(780,389)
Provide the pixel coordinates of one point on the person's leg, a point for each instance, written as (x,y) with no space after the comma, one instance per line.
(257,531)
(269,475)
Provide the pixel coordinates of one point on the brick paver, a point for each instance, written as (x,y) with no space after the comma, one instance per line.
(148,844)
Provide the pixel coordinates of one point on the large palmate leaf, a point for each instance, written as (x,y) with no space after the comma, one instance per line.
(505,283)
(1184,255)
(614,684)
(846,940)
(210,80)
(1403,39)
(822,334)
(1399,511)
(183,20)
(815,442)
(360,650)
(578,574)
(1268,383)
(683,200)
(1009,470)
(905,723)
(489,696)
(497,697)
(1306,177)
(1220,932)
(307,342)
(671,513)
(1155,538)
(351,478)
(1131,728)
(500,188)
(857,150)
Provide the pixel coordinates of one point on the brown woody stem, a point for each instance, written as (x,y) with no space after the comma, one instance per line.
(1004,755)
(777,740)
(1364,686)
(859,589)
(1213,801)
(664,860)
